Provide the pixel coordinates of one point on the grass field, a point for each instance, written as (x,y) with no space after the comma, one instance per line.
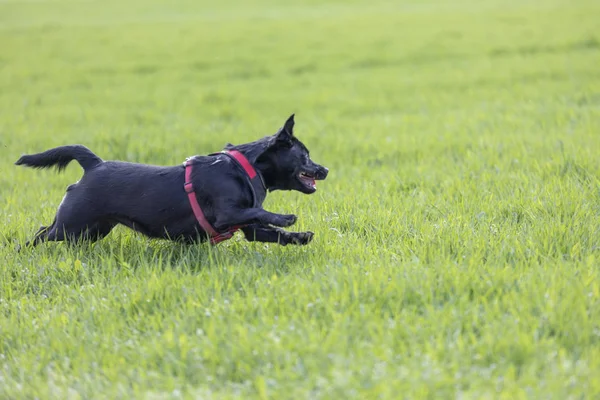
(457,243)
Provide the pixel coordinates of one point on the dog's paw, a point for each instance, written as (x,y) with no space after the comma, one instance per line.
(288,220)
(302,238)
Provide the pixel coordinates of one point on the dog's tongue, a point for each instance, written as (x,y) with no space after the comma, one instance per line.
(308,181)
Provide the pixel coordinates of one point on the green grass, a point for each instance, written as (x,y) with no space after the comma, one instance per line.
(457,243)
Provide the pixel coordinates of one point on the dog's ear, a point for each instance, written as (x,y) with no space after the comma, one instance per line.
(286,133)
(228,146)
(289,125)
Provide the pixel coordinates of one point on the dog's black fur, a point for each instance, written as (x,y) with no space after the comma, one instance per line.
(151,199)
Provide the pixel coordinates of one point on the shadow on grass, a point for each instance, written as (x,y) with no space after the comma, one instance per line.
(132,252)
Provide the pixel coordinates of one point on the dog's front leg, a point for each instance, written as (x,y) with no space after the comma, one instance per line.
(251,216)
(260,233)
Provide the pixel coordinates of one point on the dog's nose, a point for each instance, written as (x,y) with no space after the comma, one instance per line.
(324,172)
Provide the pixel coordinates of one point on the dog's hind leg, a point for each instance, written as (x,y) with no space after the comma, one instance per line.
(76,219)
(72,224)
(40,235)
(90,232)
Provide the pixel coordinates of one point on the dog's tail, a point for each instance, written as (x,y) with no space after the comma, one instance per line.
(60,157)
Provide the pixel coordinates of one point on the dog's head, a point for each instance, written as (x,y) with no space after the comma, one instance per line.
(284,161)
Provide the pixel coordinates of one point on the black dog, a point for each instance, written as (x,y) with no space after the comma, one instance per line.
(152,199)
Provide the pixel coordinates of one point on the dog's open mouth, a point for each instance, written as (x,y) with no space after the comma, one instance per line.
(308,180)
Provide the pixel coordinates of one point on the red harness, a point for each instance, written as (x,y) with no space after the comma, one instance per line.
(215,237)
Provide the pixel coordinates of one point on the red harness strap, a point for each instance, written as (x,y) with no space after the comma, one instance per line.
(215,237)
(243,162)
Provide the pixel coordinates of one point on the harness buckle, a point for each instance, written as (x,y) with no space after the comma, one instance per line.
(221,237)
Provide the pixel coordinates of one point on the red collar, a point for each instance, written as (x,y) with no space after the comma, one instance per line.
(215,237)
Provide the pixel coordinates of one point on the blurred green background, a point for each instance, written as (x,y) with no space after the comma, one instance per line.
(456,240)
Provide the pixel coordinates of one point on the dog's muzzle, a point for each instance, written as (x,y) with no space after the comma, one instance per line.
(321,173)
